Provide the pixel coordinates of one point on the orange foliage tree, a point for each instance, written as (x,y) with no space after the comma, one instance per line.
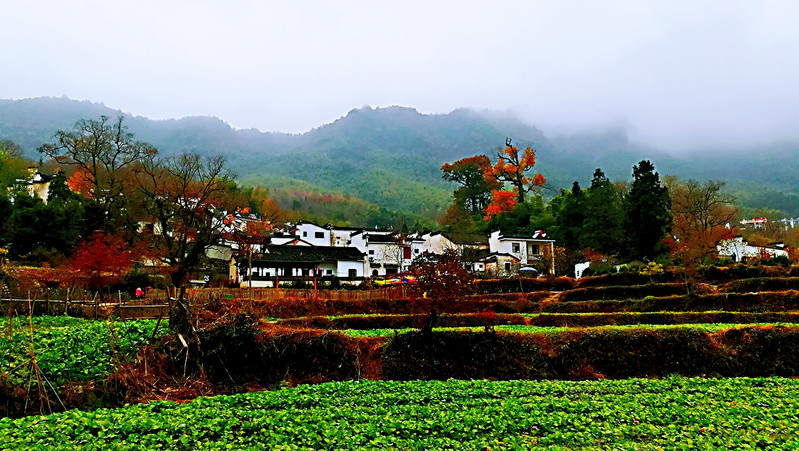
(475,191)
(81,182)
(511,166)
(501,202)
(701,216)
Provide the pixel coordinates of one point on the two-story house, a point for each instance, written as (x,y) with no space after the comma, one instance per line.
(527,249)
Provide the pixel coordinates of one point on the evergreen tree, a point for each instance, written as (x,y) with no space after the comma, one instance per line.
(570,217)
(647,214)
(603,216)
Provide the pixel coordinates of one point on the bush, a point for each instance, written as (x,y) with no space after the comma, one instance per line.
(236,352)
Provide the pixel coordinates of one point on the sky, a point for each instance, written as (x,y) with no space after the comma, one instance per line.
(676,74)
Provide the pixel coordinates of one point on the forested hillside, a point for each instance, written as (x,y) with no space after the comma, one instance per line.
(391,157)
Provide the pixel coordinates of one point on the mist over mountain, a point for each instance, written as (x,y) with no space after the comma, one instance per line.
(392,156)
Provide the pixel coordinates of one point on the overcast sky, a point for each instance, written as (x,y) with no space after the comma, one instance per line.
(678,74)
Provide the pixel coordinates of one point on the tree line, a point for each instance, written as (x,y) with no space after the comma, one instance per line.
(648,219)
(115,200)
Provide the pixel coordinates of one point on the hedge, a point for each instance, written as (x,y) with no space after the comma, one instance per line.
(622,292)
(523,284)
(761,284)
(732,302)
(589,354)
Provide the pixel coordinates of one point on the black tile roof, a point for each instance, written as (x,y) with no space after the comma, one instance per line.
(308,254)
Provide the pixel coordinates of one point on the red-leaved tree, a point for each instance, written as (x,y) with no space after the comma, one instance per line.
(102,259)
(441,281)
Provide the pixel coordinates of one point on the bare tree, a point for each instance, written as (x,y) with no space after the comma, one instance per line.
(187,197)
(102,150)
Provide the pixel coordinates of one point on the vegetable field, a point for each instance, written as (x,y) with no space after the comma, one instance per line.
(672,413)
(68,348)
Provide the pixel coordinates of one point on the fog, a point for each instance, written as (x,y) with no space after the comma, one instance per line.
(677,75)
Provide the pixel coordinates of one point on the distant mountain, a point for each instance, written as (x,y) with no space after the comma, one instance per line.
(392,156)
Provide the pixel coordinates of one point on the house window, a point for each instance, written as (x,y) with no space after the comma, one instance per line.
(507,266)
(371,252)
(305,271)
(319,235)
(304,234)
(329,272)
(535,249)
(352,272)
(374,272)
(515,247)
(416,251)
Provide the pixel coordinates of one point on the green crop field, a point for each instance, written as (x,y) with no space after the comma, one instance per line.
(671,413)
(68,348)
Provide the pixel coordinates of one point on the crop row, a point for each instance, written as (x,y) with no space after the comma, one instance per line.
(525,329)
(672,413)
(537,302)
(366,322)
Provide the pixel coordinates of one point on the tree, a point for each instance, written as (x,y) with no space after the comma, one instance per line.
(10,149)
(647,214)
(441,281)
(103,150)
(702,214)
(569,212)
(475,190)
(501,202)
(37,231)
(102,258)
(603,216)
(188,198)
(511,167)
(12,165)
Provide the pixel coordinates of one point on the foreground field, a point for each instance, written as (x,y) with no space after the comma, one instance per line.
(68,348)
(672,413)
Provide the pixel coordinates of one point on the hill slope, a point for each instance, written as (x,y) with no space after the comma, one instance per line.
(391,156)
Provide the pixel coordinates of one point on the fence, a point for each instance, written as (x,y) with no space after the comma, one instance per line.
(156,302)
(272,294)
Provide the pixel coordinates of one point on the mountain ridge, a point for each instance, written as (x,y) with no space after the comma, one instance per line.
(391,156)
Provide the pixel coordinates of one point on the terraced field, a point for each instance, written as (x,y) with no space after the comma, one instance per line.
(708,370)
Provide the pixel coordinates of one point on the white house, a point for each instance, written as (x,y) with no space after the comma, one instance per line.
(388,252)
(341,236)
(284,263)
(438,242)
(314,234)
(738,249)
(528,249)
